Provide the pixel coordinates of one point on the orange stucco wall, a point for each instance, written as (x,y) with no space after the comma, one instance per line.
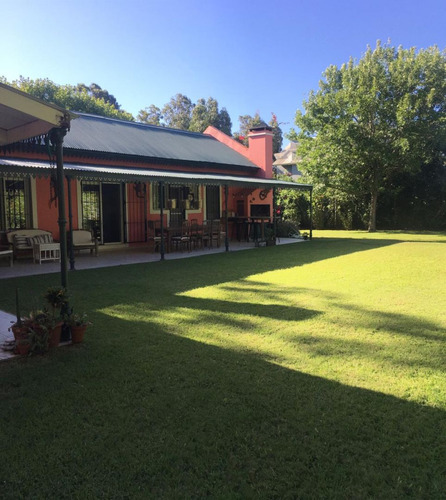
(48,213)
(260,150)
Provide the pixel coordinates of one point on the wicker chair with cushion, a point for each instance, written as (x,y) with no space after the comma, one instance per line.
(21,241)
(84,240)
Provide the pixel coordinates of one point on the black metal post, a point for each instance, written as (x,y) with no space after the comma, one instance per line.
(161,198)
(70,224)
(145,212)
(226,219)
(311,213)
(274,212)
(56,137)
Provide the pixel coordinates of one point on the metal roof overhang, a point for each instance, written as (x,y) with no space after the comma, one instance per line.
(18,167)
(22,116)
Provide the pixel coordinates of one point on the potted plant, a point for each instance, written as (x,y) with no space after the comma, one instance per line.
(20,326)
(269,236)
(58,301)
(23,346)
(42,335)
(78,324)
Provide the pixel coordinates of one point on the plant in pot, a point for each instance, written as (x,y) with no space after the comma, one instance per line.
(269,236)
(20,326)
(78,324)
(58,300)
(23,345)
(21,330)
(41,331)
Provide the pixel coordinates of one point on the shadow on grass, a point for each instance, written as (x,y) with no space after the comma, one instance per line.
(200,271)
(138,412)
(151,414)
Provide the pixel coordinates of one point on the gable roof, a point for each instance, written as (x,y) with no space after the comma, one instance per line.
(109,136)
(287,156)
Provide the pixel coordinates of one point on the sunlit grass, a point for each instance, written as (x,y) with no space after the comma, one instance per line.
(309,370)
(373,318)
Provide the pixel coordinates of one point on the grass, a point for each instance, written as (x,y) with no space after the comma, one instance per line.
(314,370)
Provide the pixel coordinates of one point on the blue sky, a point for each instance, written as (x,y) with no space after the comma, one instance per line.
(252,56)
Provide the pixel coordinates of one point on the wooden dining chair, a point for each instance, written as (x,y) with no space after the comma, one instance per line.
(154,235)
(182,240)
(215,232)
(206,234)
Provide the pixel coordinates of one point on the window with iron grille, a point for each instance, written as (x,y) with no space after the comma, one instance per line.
(15,204)
(91,208)
(155,191)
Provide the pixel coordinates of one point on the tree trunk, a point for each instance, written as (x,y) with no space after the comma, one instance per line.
(373,205)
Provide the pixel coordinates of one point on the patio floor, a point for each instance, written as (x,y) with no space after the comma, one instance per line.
(109,255)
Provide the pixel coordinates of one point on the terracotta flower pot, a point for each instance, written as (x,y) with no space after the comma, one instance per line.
(54,337)
(20,332)
(23,348)
(77,333)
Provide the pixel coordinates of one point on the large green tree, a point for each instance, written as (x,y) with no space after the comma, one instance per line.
(181,113)
(206,113)
(98,92)
(247,122)
(151,115)
(80,98)
(371,119)
(177,113)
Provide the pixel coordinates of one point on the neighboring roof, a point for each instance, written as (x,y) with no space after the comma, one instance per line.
(22,116)
(110,136)
(287,156)
(116,174)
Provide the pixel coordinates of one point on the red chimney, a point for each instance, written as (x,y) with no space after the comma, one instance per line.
(260,143)
(260,150)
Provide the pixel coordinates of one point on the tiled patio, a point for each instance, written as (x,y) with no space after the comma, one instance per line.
(109,255)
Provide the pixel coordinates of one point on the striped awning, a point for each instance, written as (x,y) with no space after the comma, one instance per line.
(23,168)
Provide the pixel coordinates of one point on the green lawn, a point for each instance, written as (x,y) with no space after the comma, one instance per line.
(314,370)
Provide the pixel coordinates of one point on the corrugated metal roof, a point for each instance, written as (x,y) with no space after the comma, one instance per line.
(108,135)
(95,172)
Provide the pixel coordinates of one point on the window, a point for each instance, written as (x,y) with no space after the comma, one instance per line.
(91,208)
(176,196)
(15,209)
(155,189)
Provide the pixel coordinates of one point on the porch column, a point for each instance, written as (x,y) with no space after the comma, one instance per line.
(311,213)
(56,136)
(226,219)
(70,224)
(274,212)
(161,198)
(145,212)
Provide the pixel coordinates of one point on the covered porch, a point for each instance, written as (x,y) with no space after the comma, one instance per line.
(121,255)
(142,193)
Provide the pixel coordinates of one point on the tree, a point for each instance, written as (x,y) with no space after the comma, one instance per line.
(177,113)
(181,113)
(247,122)
(371,119)
(94,90)
(75,98)
(206,113)
(277,134)
(151,115)
(224,122)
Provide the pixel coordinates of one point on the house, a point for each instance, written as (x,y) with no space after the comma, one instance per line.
(121,175)
(286,161)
